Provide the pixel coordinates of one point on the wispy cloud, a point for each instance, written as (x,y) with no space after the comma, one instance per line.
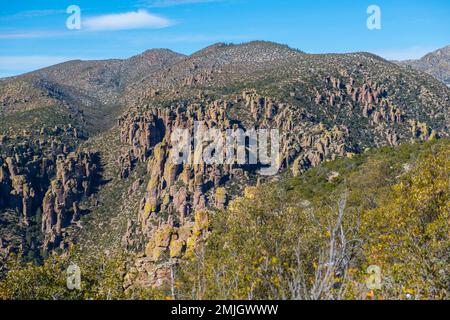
(140,19)
(32,14)
(133,20)
(39,13)
(170,3)
(30,34)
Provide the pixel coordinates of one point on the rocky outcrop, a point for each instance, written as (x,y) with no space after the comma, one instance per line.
(322,144)
(142,132)
(180,189)
(369,98)
(40,176)
(168,243)
(178,195)
(178,192)
(75,175)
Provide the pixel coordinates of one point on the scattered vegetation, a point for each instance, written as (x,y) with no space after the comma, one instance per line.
(311,237)
(314,237)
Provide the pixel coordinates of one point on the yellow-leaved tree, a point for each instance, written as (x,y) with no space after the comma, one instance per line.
(408,236)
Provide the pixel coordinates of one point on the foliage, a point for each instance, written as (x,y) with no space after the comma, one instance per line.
(289,240)
(101,278)
(408,236)
(311,237)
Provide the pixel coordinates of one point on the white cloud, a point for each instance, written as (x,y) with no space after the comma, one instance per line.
(140,19)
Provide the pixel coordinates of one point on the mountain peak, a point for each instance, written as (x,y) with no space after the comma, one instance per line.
(442,52)
(157,52)
(436,63)
(262,46)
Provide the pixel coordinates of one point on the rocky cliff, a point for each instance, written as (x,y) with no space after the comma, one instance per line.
(43,178)
(173,212)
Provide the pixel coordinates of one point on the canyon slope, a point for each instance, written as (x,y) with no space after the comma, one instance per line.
(84,145)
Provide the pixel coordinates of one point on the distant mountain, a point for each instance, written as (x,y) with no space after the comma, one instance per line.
(436,63)
(88,90)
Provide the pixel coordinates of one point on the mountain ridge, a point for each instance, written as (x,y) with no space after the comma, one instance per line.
(436,63)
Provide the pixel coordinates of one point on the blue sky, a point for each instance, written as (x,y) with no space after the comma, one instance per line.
(33,33)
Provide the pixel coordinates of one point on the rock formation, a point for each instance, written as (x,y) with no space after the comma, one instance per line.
(42,175)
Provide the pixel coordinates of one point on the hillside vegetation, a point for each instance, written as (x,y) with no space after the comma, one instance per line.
(311,237)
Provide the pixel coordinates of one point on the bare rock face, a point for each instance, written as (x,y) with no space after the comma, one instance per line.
(125,163)
(41,177)
(168,243)
(179,189)
(177,194)
(142,132)
(74,180)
